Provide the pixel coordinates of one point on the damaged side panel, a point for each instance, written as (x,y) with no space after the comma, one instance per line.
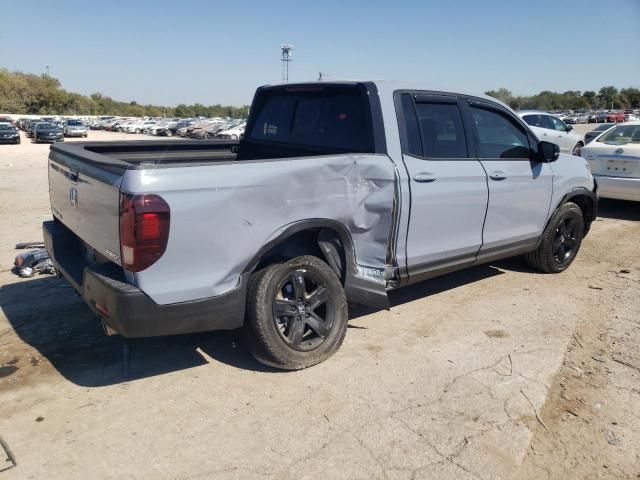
(222,216)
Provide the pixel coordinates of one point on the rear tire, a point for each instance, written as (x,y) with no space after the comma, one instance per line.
(561,240)
(296,313)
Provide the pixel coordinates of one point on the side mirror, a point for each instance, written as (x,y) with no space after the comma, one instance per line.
(569,128)
(549,152)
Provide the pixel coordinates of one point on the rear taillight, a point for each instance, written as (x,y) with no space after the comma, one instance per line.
(144,230)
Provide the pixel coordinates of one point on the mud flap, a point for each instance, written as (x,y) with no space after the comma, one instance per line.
(366,292)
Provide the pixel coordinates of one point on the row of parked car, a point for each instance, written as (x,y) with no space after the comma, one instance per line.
(602,116)
(226,128)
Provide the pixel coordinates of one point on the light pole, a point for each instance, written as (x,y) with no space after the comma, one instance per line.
(285,59)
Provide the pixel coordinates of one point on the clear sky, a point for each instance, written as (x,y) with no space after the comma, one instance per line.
(186,51)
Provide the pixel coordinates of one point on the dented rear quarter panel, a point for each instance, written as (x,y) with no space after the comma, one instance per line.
(222,214)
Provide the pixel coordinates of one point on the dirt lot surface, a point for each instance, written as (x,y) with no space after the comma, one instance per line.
(494,372)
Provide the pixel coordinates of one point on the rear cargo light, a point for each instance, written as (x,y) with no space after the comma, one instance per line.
(144,230)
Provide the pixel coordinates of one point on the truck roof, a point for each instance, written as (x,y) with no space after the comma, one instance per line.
(387,87)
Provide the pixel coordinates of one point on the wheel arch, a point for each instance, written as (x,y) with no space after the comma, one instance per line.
(331,241)
(586,199)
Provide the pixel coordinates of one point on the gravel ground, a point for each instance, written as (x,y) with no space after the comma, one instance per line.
(494,372)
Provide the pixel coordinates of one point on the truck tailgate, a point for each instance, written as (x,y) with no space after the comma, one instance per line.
(85,197)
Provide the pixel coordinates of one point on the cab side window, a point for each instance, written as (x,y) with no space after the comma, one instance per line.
(546,122)
(441,129)
(498,135)
(557,124)
(433,127)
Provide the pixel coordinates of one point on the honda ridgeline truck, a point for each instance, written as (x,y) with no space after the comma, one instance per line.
(339,192)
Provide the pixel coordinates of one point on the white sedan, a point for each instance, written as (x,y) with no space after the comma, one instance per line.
(233,133)
(550,128)
(614,160)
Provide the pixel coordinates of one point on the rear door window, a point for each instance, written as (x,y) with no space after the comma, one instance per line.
(441,130)
(336,118)
(431,126)
(534,120)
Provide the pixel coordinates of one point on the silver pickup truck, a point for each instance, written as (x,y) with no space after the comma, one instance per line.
(339,192)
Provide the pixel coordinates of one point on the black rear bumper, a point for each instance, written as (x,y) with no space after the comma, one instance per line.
(127,310)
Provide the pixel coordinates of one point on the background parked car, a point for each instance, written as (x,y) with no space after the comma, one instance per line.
(234,133)
(47,132)
(75,128)
(603,127)
(31,125)
(615,117)
(614,159)
(9,133)
(549,128)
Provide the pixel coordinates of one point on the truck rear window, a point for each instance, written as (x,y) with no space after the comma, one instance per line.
(337,118)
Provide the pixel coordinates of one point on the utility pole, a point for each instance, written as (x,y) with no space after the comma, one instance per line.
(285,59)
(47,67)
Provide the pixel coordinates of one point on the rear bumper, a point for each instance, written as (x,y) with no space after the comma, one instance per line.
(127,310)
(619,188)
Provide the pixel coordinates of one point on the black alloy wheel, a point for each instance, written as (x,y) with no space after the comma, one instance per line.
(296,313)
(560,241)
(300,311)
(565,240)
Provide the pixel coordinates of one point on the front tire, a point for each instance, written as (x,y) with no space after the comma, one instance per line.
(577,149)
(561,240)
(296,313)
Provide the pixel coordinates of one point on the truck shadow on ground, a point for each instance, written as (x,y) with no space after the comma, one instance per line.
(46,316)
(49,321)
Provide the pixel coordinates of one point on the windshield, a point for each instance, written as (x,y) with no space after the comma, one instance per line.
(622,134)
(6,126)
(74,123)
(45,126)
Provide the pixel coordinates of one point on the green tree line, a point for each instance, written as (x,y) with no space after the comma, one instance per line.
(607,98)
(25,93)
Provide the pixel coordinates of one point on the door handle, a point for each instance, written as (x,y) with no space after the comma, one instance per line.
(497,176)
(73,175)
(424,177)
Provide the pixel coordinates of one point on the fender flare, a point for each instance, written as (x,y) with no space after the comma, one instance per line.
(575,192)
(358,290)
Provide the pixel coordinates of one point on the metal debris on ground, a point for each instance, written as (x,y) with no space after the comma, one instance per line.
(29,263)
(10,456)
(611,437)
